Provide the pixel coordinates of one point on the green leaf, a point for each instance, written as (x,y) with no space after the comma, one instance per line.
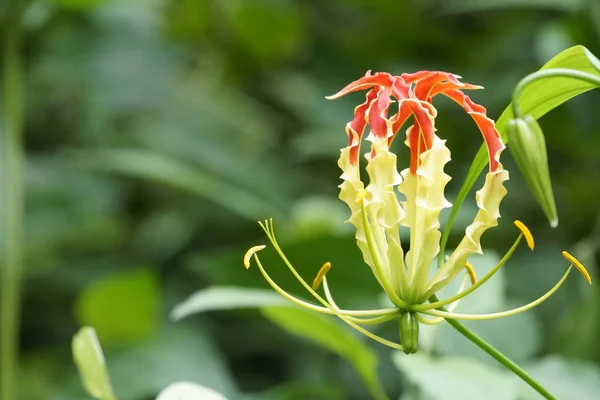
(189,391)
(332,336)
(324,331)
(123,307)
(226,298)
(536,100)
(453,378)
(91,365)
(162,169)
(546,94)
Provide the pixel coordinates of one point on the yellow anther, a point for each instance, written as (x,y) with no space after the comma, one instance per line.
(361,196)
(578,265)
(320,275)
(526,232)
(253,250)
(471,272)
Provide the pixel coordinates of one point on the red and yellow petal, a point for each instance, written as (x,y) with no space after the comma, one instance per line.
(377,115)
(491,136)
(356,127)
(382,79)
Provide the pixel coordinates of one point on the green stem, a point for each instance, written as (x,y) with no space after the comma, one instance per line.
(548,73)
(12,207)
(497,355)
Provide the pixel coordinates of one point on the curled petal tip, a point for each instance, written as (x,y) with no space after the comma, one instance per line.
(253,250)
(554,223)
(527,233)
(577,264)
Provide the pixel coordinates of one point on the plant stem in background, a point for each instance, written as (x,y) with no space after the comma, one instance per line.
(497,355)
(12,205)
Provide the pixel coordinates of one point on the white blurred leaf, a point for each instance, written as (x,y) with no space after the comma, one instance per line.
(189,391)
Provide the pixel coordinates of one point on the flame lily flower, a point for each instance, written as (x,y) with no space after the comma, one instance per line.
(377,213)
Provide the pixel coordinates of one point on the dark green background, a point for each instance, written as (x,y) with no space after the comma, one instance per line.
(159,131)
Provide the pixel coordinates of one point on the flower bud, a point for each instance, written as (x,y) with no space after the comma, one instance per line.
(409,332)
(528,147)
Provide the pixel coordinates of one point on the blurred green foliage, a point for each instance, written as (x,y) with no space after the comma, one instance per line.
(158,131)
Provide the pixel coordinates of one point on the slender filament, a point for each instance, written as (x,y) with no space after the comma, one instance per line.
(480,317)
(472,288)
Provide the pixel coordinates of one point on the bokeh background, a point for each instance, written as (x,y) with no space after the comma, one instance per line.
(159,131)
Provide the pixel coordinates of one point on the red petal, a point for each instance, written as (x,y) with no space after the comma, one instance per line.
(421,140)
(356,127)
(424,86)
(440,88)
(377,114)
(367,81)
(399,119)
(486,125)
(437,82)
(400,89)
(416,76)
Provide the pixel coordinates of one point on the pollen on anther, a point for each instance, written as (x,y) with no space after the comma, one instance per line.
(471,272)
(253,250)
(361,196)
(526,232)
(320,275)
(578,265)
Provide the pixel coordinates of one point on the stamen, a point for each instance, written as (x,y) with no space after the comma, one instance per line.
(471,272)
(361,196)
(362,330)
(270,232)
(384,312)
(451,308)
(518,310)
(428,321)
(578,265)
(320,275)
(473,287)
(527,233)
(253,250)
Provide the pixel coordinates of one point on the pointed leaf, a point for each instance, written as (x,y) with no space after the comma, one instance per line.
(91,365)
(226,298)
